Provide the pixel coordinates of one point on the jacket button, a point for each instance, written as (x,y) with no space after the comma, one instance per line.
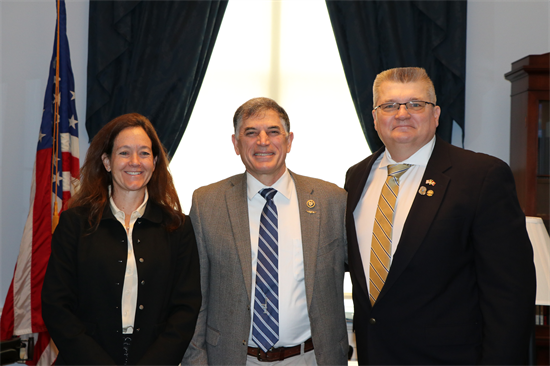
(116,307)
(138,329)
(118,283)
(244,342)
(141,307)
(372,321)
(248,307)
(122,240)
(141,260)
(143,282)
(120,261)
(139,241)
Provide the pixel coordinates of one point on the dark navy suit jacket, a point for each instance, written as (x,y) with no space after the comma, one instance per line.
(461,287)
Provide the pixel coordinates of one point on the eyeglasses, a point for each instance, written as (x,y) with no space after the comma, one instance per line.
(413,106)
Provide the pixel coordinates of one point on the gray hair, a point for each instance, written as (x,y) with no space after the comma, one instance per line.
(403,75)
(258,107)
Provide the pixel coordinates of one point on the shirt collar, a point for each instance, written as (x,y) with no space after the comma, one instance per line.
(119,214)
(419,158)
(283,185)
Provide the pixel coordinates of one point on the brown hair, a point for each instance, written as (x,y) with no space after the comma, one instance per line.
(254,107)
(403,75)
(93,192)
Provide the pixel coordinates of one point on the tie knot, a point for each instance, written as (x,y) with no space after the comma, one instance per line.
(268,193)
(397,170)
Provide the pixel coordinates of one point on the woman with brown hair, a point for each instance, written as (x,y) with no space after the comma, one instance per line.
(122,284)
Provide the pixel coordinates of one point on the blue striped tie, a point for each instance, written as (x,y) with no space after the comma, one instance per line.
(265,327)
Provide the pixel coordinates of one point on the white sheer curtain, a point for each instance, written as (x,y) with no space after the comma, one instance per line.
(284,50)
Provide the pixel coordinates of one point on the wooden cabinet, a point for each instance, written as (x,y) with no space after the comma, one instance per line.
(530,154)
(530,133)
(542,345)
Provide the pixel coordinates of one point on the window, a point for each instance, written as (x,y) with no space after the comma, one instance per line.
(285,51)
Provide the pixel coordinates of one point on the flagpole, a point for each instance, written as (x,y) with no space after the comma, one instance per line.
(55,167)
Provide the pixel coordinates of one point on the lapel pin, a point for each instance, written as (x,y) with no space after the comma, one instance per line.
(310,204)
(422,190)
(430,182)
(310,212)
(430,193)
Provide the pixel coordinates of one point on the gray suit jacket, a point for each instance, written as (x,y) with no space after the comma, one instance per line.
(220,218)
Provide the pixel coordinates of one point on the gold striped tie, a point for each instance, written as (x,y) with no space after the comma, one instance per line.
(382,231)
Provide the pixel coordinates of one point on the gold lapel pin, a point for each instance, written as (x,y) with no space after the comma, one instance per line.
(310,204)
(430,193)
(422,190)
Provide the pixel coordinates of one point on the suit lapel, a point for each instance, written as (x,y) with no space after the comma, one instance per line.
(309,223)
(423,212)
(355,184)
(237,205)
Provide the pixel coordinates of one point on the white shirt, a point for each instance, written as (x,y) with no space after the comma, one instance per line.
(408,187)
(294,326)
(130,288)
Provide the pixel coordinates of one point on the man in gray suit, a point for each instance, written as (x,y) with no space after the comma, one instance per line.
(272,268)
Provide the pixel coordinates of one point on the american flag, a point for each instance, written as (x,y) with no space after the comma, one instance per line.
(55,177)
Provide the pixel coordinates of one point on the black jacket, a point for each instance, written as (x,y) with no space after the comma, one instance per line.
(82,292)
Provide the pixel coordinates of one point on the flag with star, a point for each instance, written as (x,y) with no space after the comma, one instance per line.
(55,177)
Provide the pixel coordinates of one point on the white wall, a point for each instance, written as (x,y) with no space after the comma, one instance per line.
(499,33)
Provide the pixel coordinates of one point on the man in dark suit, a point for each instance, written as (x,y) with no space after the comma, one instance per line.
(441,264)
